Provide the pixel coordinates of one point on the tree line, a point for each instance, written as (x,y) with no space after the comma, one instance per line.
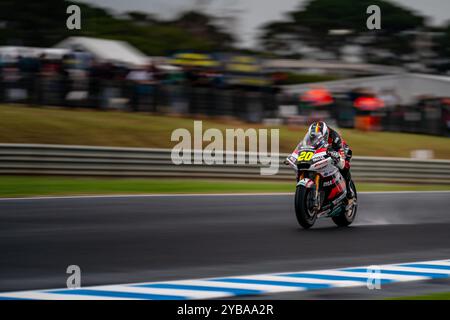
(324,25)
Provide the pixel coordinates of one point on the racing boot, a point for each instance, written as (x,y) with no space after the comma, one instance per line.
(350,193)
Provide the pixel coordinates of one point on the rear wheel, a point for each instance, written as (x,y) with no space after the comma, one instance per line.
(348,215)
(304,203)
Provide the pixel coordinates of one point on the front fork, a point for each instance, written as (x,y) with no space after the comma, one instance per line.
(308,183)
(316,194)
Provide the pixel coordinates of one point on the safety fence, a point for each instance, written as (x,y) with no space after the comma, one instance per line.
(249,105)
(40,159)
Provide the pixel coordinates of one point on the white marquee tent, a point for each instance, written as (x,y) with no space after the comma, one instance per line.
(106,50)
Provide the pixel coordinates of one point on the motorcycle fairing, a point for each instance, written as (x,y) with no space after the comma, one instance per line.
(306,182)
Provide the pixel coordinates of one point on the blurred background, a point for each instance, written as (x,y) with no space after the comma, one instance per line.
(136,71)
(222,58)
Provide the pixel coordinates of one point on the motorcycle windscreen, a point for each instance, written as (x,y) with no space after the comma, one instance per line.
(313,141)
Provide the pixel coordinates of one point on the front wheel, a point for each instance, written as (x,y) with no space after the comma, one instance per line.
(304,203)
(347,216)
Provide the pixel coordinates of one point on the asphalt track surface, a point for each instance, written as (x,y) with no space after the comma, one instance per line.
(155,238)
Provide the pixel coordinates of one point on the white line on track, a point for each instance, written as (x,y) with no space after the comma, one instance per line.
(199,195)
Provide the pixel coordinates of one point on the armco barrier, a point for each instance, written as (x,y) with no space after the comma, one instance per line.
(40,159)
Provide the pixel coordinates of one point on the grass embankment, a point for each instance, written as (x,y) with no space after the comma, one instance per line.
(432,296)
(19,124)
(12,186)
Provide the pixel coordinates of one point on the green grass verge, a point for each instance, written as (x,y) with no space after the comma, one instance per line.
(432,296)
(12,186)
(19,124)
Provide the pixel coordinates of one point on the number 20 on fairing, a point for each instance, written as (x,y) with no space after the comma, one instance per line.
(305,156)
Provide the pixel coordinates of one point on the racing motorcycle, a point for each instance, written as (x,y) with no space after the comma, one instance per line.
(321,189)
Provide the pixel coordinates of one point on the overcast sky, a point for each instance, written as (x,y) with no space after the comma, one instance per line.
(252,13)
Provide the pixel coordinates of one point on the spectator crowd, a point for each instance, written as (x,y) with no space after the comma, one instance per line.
(77,79)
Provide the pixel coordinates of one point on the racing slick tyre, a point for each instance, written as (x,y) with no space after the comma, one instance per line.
(304,203)
(348,215)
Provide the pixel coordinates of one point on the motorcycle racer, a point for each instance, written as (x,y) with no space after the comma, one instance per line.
(338,149)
